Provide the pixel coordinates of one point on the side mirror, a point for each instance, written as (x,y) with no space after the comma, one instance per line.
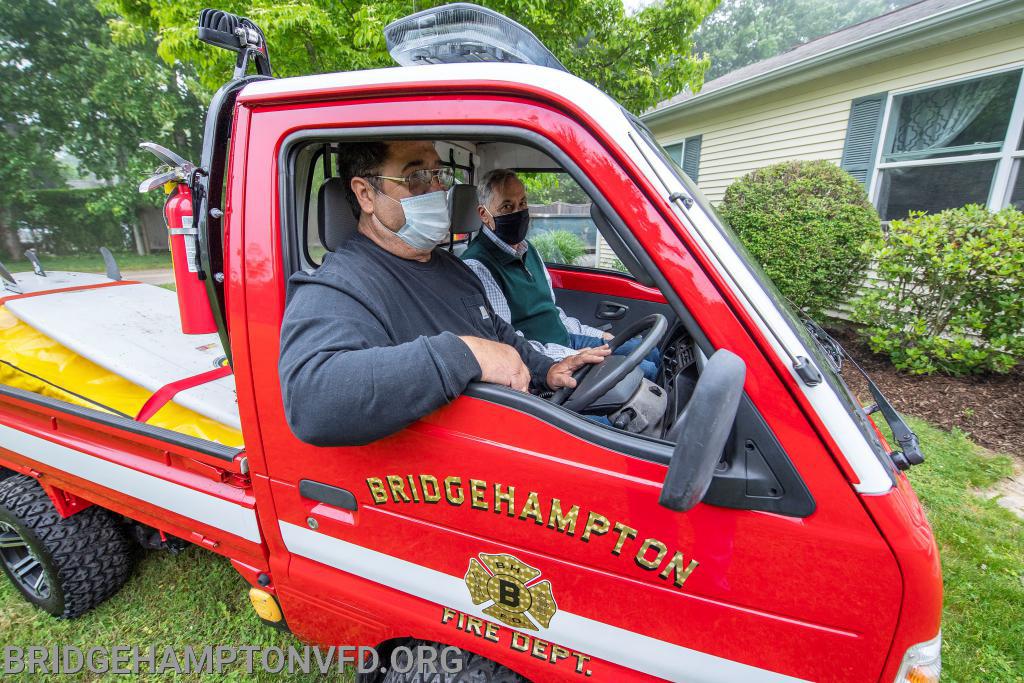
(702,430)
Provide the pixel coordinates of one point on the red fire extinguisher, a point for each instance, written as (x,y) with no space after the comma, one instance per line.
(196,316)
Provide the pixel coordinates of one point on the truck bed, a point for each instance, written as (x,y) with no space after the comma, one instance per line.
(196,490)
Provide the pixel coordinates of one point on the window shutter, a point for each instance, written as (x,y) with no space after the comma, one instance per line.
(676,152)
(862,135)
(691,157)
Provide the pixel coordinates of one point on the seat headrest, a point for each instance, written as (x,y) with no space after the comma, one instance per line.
(336,222)
(462,205)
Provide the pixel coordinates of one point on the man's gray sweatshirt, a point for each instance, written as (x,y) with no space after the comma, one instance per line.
(370,342)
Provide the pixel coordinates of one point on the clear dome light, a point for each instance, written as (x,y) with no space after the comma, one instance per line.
(464,32)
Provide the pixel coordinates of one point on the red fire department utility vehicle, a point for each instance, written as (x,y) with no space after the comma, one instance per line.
(741,520)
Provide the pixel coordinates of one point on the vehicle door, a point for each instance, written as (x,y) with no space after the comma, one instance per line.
(513,528)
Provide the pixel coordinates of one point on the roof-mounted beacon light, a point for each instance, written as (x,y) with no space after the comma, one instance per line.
(464,32)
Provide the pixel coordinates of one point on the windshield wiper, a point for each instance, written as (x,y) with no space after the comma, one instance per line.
(910,448)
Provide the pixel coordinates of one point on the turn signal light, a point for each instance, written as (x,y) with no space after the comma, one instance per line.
(922,663)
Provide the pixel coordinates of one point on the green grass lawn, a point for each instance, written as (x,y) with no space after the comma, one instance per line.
(93,262)
(197,598)
(982,549)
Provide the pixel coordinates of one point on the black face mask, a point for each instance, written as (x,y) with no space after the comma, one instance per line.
(511,228)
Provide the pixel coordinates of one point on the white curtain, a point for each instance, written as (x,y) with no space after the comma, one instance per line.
(932,120)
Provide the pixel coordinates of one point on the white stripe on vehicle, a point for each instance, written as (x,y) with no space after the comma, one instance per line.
(595,638)
(202,507)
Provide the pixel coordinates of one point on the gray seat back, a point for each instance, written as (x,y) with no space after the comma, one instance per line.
(462,203)
(336,222)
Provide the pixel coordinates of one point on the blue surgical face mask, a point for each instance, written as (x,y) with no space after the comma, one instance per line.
(427,222)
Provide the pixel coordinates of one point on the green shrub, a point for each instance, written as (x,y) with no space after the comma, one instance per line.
(952,297)
(618,265)
(805,222)
(559,246)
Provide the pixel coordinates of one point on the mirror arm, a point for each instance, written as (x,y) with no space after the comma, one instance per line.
(703,429)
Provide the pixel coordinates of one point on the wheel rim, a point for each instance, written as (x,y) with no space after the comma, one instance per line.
(23,565)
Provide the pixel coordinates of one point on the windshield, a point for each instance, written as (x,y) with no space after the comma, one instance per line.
(794,318)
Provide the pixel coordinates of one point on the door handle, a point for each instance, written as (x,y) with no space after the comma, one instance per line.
(324,493)
(610,310)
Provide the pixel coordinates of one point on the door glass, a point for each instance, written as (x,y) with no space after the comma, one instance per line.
(560,224)
(933,188)
(314,247)
(958,119)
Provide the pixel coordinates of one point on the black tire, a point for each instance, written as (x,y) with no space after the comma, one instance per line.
(63,566)
(473,668)
(4,473)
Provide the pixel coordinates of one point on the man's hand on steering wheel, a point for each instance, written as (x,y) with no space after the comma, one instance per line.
(560,374)
(654,327)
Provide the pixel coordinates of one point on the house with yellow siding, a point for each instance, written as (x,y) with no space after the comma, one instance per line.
(923,105)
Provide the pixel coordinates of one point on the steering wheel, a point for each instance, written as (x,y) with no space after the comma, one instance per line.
(653,327)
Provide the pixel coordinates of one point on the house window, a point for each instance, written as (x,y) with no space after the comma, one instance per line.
(952,145)
(1016,193)
(686,154)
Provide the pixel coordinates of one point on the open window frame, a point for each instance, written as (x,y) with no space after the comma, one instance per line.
(772,484)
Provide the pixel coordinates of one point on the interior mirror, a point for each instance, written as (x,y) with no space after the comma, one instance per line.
(702,430)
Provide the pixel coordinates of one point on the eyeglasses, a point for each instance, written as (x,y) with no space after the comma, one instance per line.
(419,182)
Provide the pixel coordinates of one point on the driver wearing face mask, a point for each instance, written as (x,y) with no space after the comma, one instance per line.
(389,328)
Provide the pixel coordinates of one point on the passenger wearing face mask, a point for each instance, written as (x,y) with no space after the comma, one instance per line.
(517,283)
(389,328)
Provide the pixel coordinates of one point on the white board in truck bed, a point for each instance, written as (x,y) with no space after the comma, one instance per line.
(134,330)
(54,279)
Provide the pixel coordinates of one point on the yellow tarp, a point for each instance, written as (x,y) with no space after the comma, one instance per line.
(32,352)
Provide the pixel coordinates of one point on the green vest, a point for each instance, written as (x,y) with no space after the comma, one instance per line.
(525,288)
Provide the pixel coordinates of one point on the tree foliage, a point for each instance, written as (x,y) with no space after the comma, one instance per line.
(68,87)
(546,187)
(742,32)
(638,58)
(806,223)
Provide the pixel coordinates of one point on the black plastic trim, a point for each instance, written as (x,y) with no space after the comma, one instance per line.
(317,156)
(325,493)
(217,450)
(208,195)
(756,473)
(730,486)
